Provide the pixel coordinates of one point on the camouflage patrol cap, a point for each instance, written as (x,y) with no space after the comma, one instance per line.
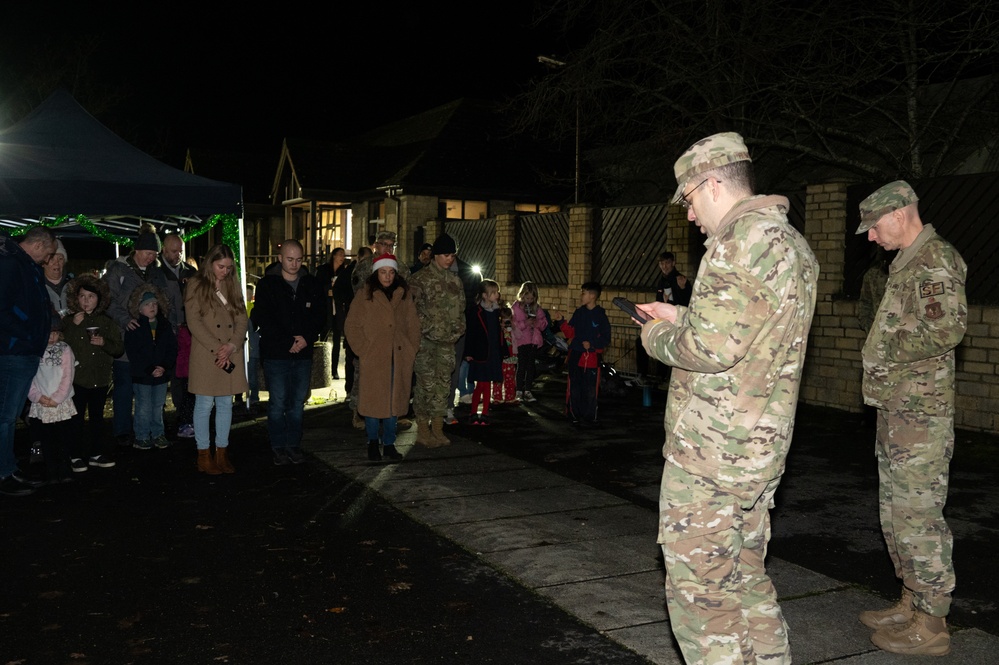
(888,199)
(385,235)
(708,153)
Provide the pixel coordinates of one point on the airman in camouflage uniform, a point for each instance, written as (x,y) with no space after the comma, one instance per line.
(440,302)
(737,350)
(909,378)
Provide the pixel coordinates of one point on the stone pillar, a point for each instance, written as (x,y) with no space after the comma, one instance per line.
(506,243)
(833,367)
(582,221)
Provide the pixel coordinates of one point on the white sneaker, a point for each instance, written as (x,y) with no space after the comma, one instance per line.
(465,399)
(528,397)
(449,418)
(519,396)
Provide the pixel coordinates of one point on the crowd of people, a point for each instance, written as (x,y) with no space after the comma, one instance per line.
(735,340)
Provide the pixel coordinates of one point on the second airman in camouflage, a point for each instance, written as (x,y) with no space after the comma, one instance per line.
(737,352)
(909,376)
(440,302)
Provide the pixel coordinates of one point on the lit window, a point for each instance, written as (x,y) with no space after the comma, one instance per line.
(457,209)
(476,209)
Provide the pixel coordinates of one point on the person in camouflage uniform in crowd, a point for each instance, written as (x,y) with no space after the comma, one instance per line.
(737,351)
(440,302)
(909,378)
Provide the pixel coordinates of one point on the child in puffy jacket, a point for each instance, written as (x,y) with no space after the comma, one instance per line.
(529,322)
(52,409)
(152,356)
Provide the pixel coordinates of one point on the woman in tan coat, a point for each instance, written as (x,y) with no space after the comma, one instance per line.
(216,317)
(383,329)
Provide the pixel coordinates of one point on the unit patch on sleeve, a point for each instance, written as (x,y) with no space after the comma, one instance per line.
(934,310)
(930,289)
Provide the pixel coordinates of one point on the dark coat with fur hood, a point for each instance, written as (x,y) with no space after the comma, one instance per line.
(94,360)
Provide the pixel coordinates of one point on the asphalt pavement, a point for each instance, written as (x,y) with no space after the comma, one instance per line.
(525,541)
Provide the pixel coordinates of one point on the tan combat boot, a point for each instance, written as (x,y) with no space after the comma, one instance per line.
(437,429)
(357,421)
(423,435)
(898,613)
(922,635)
(206,464)
(222,461)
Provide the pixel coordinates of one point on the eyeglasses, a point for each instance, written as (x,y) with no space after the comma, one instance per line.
(684,201)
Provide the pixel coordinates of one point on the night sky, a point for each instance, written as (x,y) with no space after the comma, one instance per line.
(246,80)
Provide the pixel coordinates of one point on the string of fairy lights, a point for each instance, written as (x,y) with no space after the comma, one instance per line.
(229,221)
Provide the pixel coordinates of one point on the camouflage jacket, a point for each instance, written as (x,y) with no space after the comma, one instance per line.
(909,353)
(739,347)
(440,302)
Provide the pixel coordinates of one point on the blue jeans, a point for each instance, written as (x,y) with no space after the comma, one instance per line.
(223,420)
(121,397)
(388,429)
(16,373)
(149,401)
(288,384)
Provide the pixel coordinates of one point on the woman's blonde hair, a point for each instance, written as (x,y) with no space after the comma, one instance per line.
(204,284)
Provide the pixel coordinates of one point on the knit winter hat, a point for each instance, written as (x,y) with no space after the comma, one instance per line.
(445,245)
(146,297)
(385,261)
(148,240)
(61,249)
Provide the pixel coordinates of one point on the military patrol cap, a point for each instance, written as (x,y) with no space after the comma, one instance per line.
(385,235)
(888,199)
(708,153)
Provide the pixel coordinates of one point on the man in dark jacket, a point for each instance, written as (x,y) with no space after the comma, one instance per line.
(25,321)
(289,312)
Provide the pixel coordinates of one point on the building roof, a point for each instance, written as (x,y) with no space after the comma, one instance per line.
(459,149)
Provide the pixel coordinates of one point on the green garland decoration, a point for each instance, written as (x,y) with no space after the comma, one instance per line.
(230,226)
(230,231)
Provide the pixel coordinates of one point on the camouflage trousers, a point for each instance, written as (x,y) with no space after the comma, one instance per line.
(722,605)
(433,367)
(914,452)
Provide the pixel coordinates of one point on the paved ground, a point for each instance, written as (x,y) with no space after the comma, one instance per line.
(527,541)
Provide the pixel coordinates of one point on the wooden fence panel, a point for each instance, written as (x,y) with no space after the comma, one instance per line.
(628,245)
(543,249)
(476,240)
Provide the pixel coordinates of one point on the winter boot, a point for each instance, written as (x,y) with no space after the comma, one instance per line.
(391,454)
(374,451)
(358,421)
(898,613)
(922,635)
(423,435)
(437,430)
(222,460)
(206,464)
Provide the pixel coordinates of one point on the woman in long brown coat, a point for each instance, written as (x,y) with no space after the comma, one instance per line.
(383,329)
(216,317)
